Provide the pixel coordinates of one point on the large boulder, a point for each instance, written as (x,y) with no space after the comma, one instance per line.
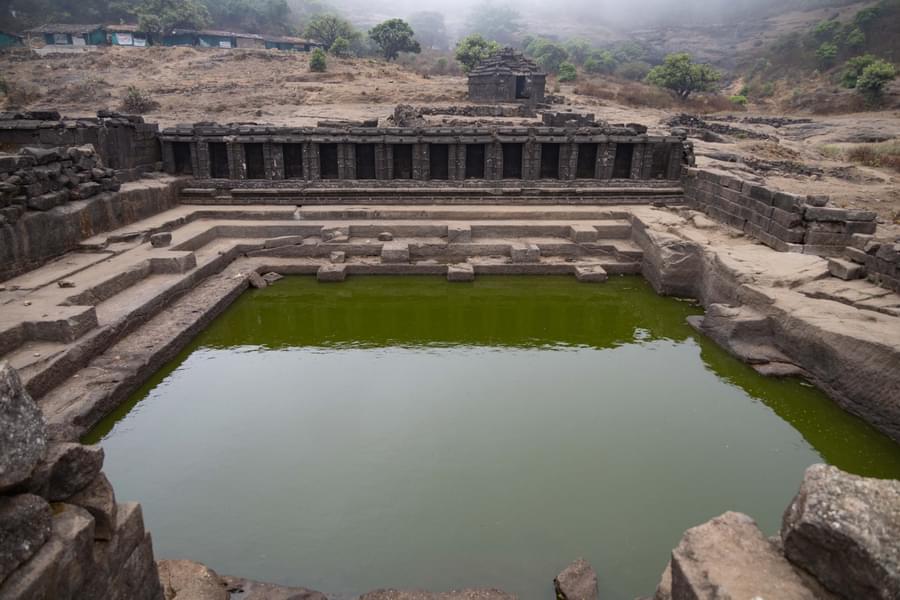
(25,523)
(247,589)
(464,594)
(845,530)
(98,499)
(23,435)
(189,580)
(578,581)
(729,557)
(68,469)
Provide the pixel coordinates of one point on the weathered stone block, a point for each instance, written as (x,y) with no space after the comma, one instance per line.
(161,239)
(173,262)
(788,202)
(189,579)
(578,581)
(461,272)
(331,273)
(845,270)
(23,435)
(525,253)
(395,252)
(844,530)
(98,499)
(591,274)
(337,257)
(583,234)
(256,281)
(25,524)
(385,236)
(729,557)
(48,201)
(67,469)
(459,234)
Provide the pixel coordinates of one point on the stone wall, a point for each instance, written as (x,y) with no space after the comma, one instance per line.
(52,199)
(63,536)
(785,222)
(124,142)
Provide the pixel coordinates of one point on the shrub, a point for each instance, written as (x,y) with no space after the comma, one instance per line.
(567,72)
(739,100)
(854,38)
(826,53)
(340,47)
(472,49)
(683,76)
(317,61)
(635,70)
(602,61)
(883,154)
(854,67)
(874,79)
(137,101)
(826,30)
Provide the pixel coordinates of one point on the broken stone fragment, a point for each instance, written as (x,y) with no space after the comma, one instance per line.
(385,236)
(98,499)
(190,580)
(25,522)
(729,557)
(846,270)
(845,531)
(271,277)
(65,283)
(337,257)
(461,272)
(256,280)
(578,581)
(161,239)
(67,469)
(23,435)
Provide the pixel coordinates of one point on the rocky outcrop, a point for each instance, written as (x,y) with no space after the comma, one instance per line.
(257,590)
(465,594)
(578,581)
(729,557)
(86,547)
(189,580)
(23,436)
(845,530)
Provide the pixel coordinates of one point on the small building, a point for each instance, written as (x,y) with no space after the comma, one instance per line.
(507,77)
(68,34)
(289,43)
(9,40)
(178,37)
(249,40)
(126,35)
(209,38)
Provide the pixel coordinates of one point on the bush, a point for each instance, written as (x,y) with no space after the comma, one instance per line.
(854,67)
(635,70)
(602,61)
(340,47)
(548,54)
(138,102)
(884,154)
(317,61)
(567,72)
(739,100)
(854,38)
(826,53)
(874,79)
(683,76)
(472,49)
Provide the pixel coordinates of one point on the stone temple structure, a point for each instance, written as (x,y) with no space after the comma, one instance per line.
(507,77)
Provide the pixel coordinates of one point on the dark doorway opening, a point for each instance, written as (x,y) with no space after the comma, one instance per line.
(439,161)
(403,161)
(328,162)
(365,161)
(549,161)
(587,161)
(659,166)
(512,161)
(474,161)
(181,152)
(622,162)
(293,160)
(522,87)
(218,160)
(256,162)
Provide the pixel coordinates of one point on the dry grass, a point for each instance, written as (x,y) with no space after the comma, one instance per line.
(634,93)
(883,155)
(20,94)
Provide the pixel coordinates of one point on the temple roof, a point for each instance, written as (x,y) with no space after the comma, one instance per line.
(507,61)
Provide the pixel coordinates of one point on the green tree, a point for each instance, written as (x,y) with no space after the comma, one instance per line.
(578,50)
(854,67)
(340,47)
(158,16)
(600,61)
(635,70)
(874,79)
(430,29)
(494,22)
(854,38)
(567,72)
(317,61)
(826,53)
(548,54)
(393,37)
(473,49)
(326,28)
(683,76)
(826,30)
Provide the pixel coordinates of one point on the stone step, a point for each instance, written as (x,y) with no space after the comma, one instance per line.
(458,213)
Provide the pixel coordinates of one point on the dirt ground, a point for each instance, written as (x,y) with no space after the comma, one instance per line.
(227,86)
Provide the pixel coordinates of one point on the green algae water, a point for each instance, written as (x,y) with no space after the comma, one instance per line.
(409,432)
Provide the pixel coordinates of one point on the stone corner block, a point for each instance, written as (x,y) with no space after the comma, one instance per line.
(332,272)
(591,274)
(525,253)
(459,234)
(461,272)
(395,252)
